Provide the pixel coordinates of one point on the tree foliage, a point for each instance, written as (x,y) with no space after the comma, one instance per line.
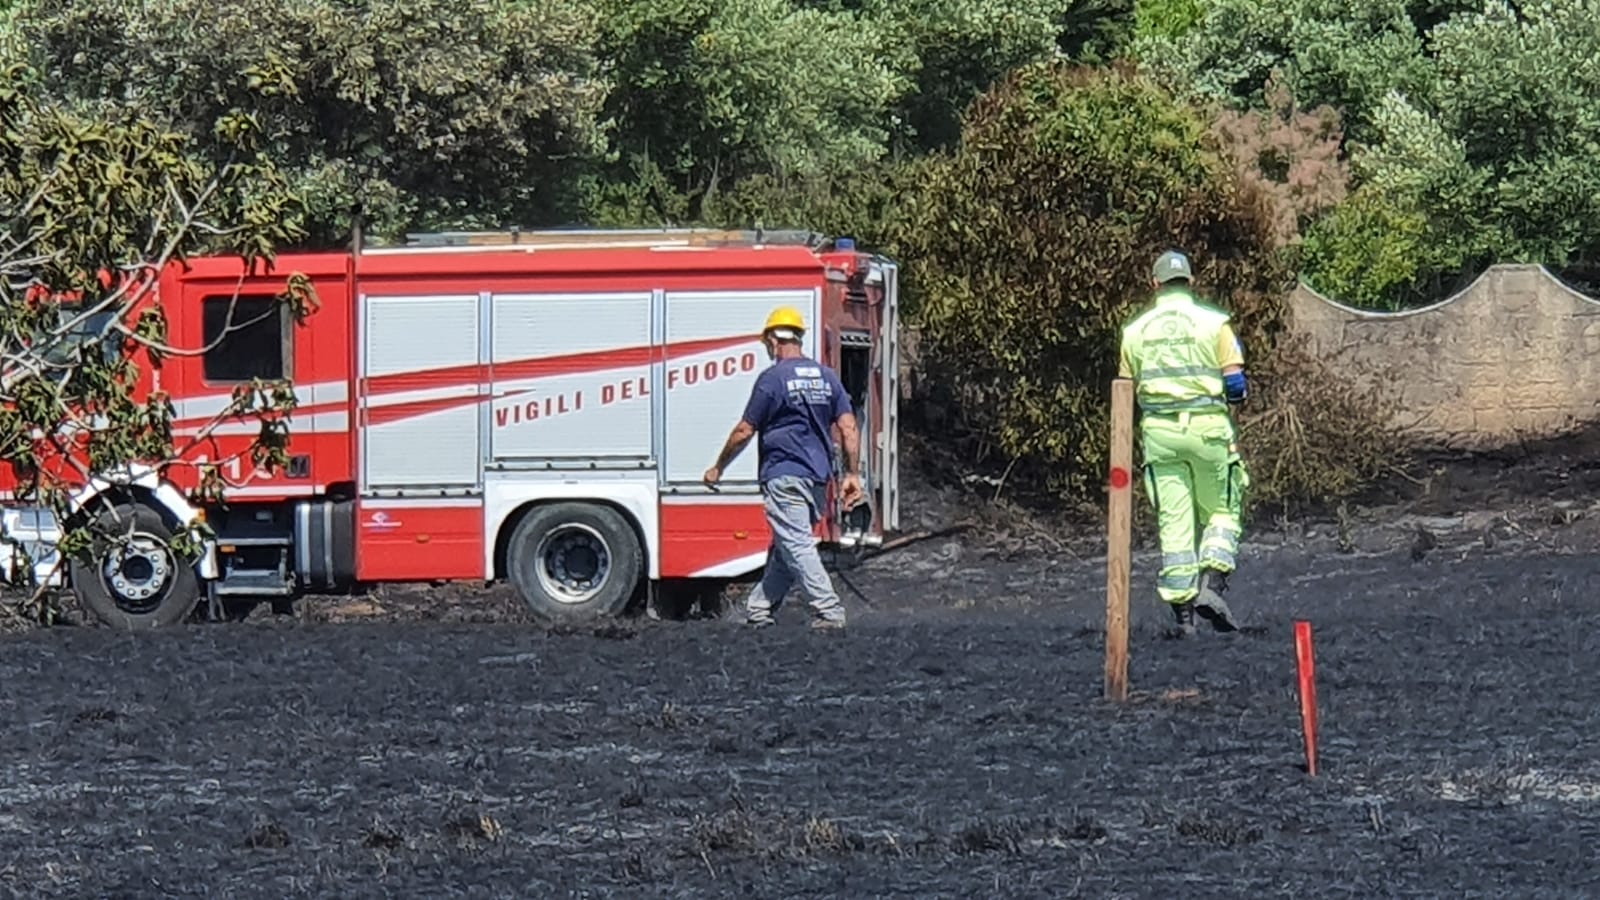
(1344,55)
(1501,163)
(97,204)
(956,49)
(427,112)
(708,92)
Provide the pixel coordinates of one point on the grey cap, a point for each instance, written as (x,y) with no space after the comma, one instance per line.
(1170,265)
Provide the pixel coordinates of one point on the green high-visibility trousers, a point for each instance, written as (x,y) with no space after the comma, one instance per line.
(1196,481)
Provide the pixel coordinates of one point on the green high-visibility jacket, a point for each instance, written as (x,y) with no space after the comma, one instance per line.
(1176,351)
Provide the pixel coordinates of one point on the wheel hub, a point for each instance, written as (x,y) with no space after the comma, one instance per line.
(138,573)
(574,562)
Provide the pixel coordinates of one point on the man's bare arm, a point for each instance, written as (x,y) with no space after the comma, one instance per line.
(741,435)
(850,443)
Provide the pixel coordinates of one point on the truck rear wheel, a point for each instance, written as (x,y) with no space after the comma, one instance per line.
(574,562)
(139,584)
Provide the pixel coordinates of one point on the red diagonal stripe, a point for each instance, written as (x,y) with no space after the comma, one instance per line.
(539,367)
(380,415)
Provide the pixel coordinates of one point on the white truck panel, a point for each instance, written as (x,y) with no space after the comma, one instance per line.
(414,334)
(704,392)
(635,492)
(406,443)
(596,407)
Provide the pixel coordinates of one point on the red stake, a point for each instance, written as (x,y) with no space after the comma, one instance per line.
(1307,663)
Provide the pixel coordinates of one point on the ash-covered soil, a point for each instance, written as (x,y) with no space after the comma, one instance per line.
(434,743)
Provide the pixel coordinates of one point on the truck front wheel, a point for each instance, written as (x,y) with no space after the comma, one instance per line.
(140,583)
(574,562)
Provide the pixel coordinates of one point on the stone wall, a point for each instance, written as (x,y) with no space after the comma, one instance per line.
(1513,357)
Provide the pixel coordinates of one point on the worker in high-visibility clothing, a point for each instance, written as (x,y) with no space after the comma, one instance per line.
(1188,370)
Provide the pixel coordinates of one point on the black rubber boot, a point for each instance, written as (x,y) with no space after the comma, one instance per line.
(1210,605)
(1184,613)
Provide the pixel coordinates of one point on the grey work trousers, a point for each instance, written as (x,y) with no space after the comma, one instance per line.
(793,509)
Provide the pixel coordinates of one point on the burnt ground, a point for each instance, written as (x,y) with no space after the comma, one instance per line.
(431,742)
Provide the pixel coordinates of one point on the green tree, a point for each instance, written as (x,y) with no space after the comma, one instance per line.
(1343,55)
(1520,100)
(1429,14)
(708,92)
(1502,163)
(956,49)
(429,113)
(1166,19)
(97,203)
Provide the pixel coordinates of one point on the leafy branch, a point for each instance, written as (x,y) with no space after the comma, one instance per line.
(94,208)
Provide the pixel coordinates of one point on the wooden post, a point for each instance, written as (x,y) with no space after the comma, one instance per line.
(1119,527)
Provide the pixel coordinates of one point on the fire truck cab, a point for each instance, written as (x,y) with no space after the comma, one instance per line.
(537,407)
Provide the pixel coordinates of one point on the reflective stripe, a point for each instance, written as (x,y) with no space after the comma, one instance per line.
(1160,406)
(1178,581)
(1178,372)
(1174,560)
(1217,545)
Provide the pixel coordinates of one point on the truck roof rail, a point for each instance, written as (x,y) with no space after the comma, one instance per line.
(615,237)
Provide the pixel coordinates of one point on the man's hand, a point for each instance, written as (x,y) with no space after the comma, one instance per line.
(853,494)
(741,435)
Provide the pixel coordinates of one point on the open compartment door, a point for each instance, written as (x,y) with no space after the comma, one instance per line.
(857,373)
(869,367)
(887,441)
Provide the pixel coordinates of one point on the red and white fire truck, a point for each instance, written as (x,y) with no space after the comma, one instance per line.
(533,406)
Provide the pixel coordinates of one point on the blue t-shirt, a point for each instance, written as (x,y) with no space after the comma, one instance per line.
(793,406)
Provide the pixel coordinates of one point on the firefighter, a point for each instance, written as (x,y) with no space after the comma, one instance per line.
(1188,369)
(794,406)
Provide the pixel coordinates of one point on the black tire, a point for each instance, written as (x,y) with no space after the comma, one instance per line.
(574,562)
(173,585)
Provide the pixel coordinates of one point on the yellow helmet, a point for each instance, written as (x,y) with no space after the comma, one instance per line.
(785,317)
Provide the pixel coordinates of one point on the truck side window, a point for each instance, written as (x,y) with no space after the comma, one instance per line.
(253,343)
(93,328)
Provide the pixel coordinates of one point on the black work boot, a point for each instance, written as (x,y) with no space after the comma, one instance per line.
(1184,613)
(1210,605)
(1215,579)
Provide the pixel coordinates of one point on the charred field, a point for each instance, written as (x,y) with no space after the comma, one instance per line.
(433,742)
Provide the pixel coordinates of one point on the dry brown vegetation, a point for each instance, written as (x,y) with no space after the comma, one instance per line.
(1291,155)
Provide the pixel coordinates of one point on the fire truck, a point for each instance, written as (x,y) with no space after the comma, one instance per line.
(535,407)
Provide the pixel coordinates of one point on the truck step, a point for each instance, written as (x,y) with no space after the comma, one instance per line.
(273,541)
(255,583)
